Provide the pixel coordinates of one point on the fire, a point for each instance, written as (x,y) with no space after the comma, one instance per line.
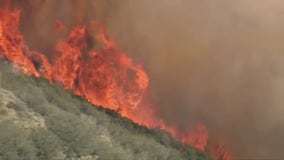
(102,74)
(14,49)
(221,152)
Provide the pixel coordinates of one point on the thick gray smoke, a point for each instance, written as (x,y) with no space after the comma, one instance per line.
(220,62)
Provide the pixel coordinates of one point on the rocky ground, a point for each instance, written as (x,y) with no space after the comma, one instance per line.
(42,121)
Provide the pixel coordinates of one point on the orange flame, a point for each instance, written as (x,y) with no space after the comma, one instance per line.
(104,75)
(221,153)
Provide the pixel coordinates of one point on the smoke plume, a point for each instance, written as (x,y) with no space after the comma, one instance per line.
(216,62)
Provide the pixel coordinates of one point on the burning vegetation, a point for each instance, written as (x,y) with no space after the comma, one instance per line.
(94,67)
(39,120)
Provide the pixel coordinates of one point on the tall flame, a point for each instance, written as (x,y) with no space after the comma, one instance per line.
(103,74)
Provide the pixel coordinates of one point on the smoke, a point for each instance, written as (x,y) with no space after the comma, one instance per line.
(217,62)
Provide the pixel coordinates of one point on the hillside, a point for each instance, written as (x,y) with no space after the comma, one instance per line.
(42,121)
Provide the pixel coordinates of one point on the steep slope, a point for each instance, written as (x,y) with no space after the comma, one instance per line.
(42,121)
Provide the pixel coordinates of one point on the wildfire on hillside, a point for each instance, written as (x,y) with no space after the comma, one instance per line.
(91,65)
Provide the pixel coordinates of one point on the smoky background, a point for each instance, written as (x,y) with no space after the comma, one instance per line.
(218,62)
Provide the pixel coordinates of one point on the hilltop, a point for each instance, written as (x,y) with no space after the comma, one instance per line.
(39,120)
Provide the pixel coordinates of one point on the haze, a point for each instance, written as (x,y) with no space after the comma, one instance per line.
(219,62)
